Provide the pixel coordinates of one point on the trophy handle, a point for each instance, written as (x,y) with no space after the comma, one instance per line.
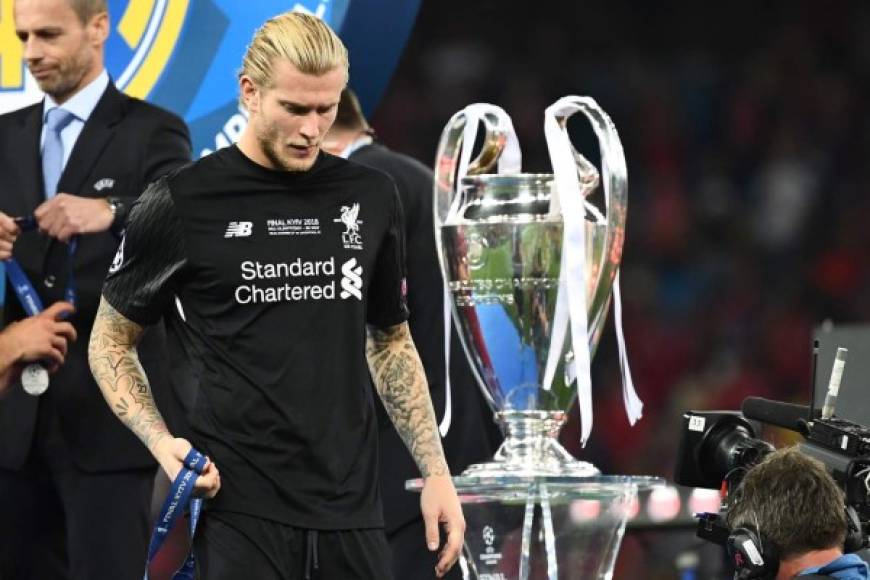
(452,160)
(588,282)
(615,178)
(615,181)
(452,163)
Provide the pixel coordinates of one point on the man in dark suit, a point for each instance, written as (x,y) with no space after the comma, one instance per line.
(75,484)
(468,432)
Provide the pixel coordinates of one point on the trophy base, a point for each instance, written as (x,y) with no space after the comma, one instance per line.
(531,449)
(544,527)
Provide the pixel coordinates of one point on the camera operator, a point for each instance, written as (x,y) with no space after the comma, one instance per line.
(788,519)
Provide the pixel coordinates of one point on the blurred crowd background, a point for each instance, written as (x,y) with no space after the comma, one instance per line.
(746,138)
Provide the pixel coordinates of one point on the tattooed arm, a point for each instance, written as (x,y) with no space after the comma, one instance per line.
(401,383)
(116,368)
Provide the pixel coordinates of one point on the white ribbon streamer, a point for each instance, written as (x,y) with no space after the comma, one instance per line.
(510,161)
(572,278)
(447,418)
(571,300)
(608,136)
(633,404)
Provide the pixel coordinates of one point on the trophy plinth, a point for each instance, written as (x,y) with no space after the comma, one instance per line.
(531,448)
(544,527)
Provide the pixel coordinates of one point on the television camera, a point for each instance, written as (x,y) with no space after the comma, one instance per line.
(717,448)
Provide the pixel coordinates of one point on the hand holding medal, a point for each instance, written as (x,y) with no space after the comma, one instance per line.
(43,338)
(47,343)
(34,376)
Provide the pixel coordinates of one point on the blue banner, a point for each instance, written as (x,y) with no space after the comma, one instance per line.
(184,54)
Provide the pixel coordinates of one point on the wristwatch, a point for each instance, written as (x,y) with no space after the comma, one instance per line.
(116,206)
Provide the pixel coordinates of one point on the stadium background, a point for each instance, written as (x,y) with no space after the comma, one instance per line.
(746,138)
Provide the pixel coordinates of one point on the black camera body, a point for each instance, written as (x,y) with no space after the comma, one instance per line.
(717,448)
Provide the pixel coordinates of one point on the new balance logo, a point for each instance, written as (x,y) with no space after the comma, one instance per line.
(351,280)
(239,230)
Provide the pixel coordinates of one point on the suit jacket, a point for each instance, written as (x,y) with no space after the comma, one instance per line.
(124,145)
(473,435)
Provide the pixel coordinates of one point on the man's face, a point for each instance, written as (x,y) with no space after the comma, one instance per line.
(291,119)
(62,53)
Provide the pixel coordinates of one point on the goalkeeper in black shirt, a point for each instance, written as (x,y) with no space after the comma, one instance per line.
(286,265)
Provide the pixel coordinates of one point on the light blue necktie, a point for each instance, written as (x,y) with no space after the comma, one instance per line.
(52,149)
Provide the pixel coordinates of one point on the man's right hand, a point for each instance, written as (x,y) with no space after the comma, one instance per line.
(9,231)
(170,453)
(65,215)
(43,336)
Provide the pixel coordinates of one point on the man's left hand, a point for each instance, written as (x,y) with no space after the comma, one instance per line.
(65,215)
(440,505)
(8,232)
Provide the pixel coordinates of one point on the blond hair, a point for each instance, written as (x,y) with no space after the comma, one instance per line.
(306,41)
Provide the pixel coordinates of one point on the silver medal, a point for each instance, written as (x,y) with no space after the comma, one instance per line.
(34,379)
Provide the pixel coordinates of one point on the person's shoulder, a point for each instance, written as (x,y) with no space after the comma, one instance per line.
(199,174)
(190,172)
(372,177)
(143,111)
(378,156)
(19,115)
(409,173)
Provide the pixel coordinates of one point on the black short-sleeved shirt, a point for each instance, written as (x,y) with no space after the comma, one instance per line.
(277,274)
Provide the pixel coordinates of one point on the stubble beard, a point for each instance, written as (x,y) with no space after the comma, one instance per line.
(272,145)
(67,78)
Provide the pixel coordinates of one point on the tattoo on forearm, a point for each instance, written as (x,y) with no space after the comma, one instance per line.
(400,381)
(116,368)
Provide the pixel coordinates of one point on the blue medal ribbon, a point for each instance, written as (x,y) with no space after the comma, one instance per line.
(30,300)
(21,284)
(180,497)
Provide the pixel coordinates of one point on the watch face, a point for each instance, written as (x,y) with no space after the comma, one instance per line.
(114,205)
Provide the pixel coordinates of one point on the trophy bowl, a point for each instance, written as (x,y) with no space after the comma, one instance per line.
(502,252)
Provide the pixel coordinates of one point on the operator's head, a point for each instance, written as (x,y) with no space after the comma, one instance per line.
(63,42)
(792,501)
(290,83)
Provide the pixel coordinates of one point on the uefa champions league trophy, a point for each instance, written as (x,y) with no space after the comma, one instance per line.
(525,256)
(531,267)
